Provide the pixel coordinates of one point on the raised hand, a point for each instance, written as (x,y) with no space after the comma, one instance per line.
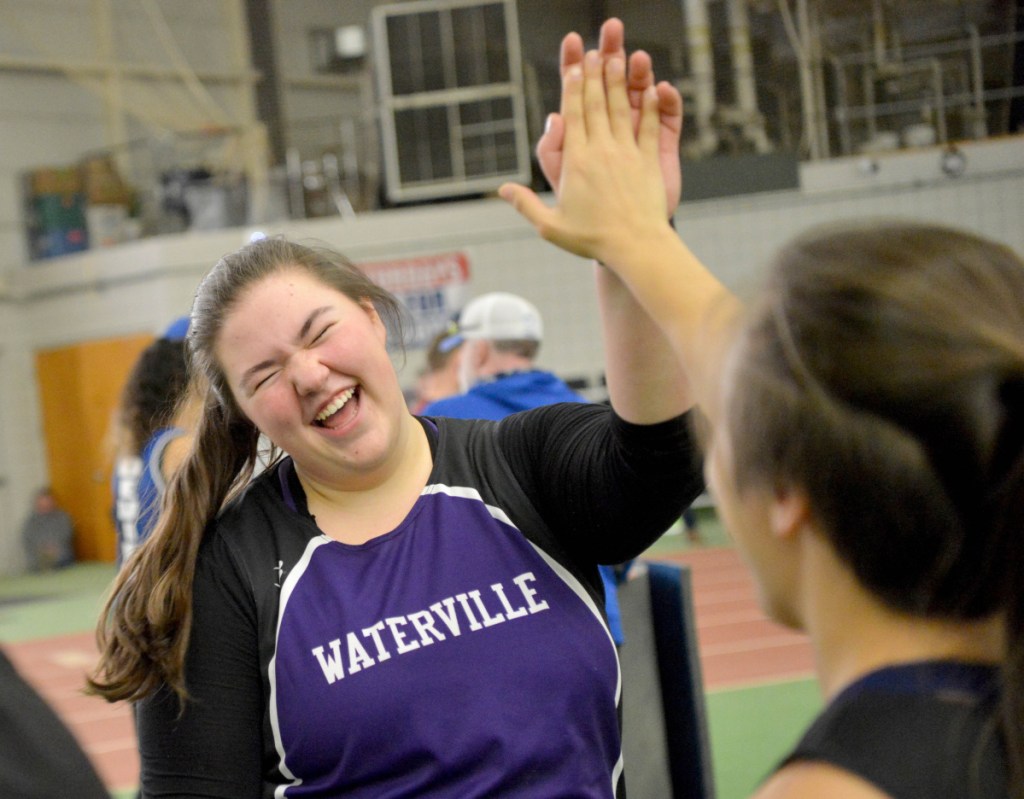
(640,76)
(611,189)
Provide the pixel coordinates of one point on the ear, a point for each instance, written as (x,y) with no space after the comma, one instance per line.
(375,320)
(790,511)
(481,352)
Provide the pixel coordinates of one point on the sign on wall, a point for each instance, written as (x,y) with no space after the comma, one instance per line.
(432,288)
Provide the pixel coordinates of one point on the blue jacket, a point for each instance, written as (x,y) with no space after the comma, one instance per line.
(503,395)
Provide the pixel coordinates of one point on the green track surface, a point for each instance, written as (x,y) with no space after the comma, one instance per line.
(53,603)
(753,728)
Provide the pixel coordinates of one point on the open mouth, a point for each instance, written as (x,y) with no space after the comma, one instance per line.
(338,410)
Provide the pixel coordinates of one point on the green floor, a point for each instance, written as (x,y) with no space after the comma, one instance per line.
(751,728)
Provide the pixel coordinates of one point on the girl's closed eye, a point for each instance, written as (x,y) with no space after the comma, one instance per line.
(263,380)
(321,334)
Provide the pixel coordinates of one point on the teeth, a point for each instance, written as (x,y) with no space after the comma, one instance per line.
(336,405)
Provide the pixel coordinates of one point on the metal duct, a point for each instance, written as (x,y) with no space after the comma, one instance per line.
(698,42)
(750,118)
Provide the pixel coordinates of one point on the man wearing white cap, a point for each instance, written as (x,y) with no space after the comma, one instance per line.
(500,334)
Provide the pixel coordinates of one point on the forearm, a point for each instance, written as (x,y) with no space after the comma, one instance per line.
(680,297)
(646,382)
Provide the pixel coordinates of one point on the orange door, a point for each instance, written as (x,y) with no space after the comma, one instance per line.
(79,388)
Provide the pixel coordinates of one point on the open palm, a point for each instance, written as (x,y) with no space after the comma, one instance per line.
(640,75)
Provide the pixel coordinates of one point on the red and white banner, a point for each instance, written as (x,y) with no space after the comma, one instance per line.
(432,288)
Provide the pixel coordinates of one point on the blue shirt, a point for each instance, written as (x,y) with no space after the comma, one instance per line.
(503,395)
(138,490)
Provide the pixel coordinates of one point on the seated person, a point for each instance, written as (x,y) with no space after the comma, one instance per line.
(48,534)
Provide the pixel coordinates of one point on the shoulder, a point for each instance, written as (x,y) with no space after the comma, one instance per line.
(259,527)
(807,780)
(920,729)
(261,498)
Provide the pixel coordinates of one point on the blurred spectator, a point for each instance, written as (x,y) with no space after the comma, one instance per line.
(48,534)
(154,421)
(440,379)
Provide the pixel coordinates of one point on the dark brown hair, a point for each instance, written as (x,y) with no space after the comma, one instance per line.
(144,630)
(151,394)
(882,371)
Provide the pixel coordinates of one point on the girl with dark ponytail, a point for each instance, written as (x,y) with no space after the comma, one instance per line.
(865,448)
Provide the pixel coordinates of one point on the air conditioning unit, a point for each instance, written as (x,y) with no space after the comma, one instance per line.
(453,120)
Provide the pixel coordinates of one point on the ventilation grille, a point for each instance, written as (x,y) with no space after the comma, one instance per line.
(453,119)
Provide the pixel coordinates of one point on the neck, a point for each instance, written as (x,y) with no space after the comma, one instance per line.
(355,512)
(853,633)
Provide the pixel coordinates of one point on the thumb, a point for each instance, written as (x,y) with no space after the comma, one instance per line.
(528,204)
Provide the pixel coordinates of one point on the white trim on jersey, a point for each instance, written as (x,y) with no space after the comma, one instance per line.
(286,591)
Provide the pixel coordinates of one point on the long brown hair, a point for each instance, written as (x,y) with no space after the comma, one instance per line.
(143,633)
(882,371)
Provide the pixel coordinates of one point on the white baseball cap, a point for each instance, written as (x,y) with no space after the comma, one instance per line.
(497,316)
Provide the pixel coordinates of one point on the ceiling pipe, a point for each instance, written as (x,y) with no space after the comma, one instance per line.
(842,111)
(698,42)
(750,118)
(800,38)
(878,33)
(979,125)
(817,57)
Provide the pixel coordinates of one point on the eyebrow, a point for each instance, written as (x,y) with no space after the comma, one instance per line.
(303,332)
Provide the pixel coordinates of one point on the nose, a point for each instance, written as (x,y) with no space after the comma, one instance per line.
(307,372)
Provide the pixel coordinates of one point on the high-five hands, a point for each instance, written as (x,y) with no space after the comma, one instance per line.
(611,190)
(639,76)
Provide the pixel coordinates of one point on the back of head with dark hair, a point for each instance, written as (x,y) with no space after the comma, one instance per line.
(883,372)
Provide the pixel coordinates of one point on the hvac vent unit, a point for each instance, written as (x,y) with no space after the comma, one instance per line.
(452,114)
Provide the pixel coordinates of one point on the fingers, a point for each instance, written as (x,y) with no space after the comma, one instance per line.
(549,149)
(595,106)
(670,108)
(575,132)
(619,116)
(649,133)
(612,40)
(547,221)
(571,52)
(641,75)
(526,203)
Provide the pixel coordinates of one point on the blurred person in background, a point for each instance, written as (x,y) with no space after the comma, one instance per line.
(155,421)
(48,534)
(440,377)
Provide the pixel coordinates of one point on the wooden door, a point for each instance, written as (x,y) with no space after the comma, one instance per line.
(79,389)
